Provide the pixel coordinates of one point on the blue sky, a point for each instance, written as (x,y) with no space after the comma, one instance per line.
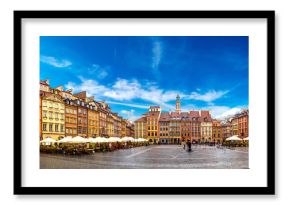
(132,72)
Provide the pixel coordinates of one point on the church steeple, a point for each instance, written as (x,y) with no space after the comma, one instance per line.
(178,104)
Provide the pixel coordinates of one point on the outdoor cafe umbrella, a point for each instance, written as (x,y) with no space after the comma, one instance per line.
(127,139)
(48,141)
(246,139)
(66,139)
(92,140)
(114,139)
(100,139)
(233,138)
(78,139)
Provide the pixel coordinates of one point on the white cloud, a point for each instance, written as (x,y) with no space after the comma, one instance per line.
(217,112)
(128,90)
(55,62)
(187,108)
(91,86)
(123,90)
(223,112)
(157,51)
(129,114)
(98,71)
(209,96)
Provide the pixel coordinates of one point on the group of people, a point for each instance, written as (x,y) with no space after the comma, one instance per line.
(88,148)
(187,144)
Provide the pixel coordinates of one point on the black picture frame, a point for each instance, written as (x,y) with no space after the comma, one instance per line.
(268,190)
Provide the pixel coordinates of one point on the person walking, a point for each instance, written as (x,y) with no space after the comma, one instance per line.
(189,145)
(183,143)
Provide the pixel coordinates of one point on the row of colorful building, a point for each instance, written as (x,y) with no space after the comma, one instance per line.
(63,113)
(196,126)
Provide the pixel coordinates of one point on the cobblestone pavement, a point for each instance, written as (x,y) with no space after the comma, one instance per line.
(153,157)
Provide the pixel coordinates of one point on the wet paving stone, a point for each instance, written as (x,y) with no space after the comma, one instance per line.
(153,157)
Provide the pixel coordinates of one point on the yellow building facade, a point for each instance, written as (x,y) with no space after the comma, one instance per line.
(53,117)
(110,125)
(141,128)
(235,128)
(123,127)
(206,131)
(153,124)
(93,122)
(217,131)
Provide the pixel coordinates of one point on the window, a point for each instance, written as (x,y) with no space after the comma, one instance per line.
(44,127)
(50,127)
(79,130)
(56,115)
(50,115)
(56,128)
(61,128)
(44,113)
(66,130)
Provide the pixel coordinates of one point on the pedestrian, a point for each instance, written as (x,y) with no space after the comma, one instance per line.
(189,145)
(183,143)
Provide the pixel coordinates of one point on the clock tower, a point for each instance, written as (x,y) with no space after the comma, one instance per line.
(178,104)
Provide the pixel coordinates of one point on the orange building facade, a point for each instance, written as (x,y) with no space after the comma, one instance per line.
(243,124)
(153,123)
(71,117)
(82,122)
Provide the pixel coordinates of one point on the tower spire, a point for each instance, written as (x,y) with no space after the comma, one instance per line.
(178,104)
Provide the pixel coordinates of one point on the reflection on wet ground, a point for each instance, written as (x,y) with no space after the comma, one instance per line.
(153,157)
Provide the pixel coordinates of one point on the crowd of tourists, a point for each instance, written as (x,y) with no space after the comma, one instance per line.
(78,145)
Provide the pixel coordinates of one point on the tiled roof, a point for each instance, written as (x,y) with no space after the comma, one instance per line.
(184,114)
(205,114)
(174,114)
(43,82)
(164,116)
(141,119)
(194,114)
